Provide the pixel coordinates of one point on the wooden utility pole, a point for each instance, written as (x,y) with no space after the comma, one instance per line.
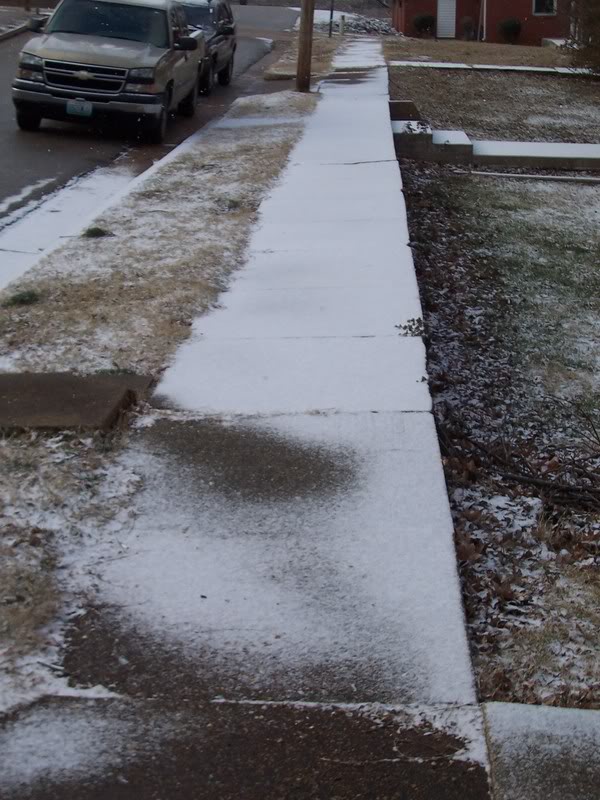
(307,15)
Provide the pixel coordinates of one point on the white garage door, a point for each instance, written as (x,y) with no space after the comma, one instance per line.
(446,19)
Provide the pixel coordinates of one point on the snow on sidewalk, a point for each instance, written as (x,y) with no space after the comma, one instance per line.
(356,577)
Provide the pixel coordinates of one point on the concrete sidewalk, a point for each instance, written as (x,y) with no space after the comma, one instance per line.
(281,616)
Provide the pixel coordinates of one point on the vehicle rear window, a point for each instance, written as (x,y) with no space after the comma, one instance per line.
(199,16)
(113,20)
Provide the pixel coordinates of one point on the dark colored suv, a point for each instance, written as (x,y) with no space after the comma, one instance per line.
(215,19)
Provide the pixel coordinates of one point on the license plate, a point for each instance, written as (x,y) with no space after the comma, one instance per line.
(79,108)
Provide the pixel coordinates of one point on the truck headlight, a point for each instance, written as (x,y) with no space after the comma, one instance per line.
(141,80)
(29,61)
(144,88)
(30,75)
(141,75)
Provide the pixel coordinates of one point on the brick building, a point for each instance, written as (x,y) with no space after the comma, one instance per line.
(455,19)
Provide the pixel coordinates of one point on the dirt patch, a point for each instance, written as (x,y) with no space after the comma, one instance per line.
(407,49)
(509,283)
(29,597)
(498,105)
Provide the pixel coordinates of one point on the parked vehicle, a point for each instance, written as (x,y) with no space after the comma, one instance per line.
(104,59)
(215,19)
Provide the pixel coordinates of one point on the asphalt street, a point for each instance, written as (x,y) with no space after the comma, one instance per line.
(33,164)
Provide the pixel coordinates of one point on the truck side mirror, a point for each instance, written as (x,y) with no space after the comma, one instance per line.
(186,43)
(37,24)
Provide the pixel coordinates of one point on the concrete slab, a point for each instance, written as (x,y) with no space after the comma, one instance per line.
(559,155)
(345,264)
(58,401)
(379,236)
(339,197)
(453,138)
(126,750)
(309,557)
(310,312)
(543,753)
(278,376)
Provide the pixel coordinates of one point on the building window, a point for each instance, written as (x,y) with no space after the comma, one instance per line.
(544,6)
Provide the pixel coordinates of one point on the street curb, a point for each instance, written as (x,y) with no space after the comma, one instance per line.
(14,32)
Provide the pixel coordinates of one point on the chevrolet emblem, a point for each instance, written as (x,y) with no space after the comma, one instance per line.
(84,75)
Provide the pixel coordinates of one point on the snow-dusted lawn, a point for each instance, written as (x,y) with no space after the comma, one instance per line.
(55,490)
(511,281)
(125,299)
(501,105)
(458,51)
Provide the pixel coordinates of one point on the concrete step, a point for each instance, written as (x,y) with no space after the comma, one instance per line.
(551,155)
(417,140)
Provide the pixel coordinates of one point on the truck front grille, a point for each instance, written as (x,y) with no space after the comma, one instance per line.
(84,77)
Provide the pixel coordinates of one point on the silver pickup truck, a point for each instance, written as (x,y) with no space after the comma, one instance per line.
(100,59)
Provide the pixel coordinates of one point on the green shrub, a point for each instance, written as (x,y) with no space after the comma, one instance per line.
(510,29)
(424,24)
(468,28)
(96,233)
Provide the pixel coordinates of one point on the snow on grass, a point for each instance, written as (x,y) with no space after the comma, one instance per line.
(55,489)
(548,235)
(498,106)
(126,300)
(510,281)
(441,50)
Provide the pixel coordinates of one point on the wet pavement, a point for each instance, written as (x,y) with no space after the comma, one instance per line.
(297,559)
(232,751)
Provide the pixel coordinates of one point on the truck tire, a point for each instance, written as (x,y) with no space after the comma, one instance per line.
(187,107)
(28,120)
(156,128)
(226,74)
(207,80)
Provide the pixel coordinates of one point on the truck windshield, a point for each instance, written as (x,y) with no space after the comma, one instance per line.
(116,21)
(199,16)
